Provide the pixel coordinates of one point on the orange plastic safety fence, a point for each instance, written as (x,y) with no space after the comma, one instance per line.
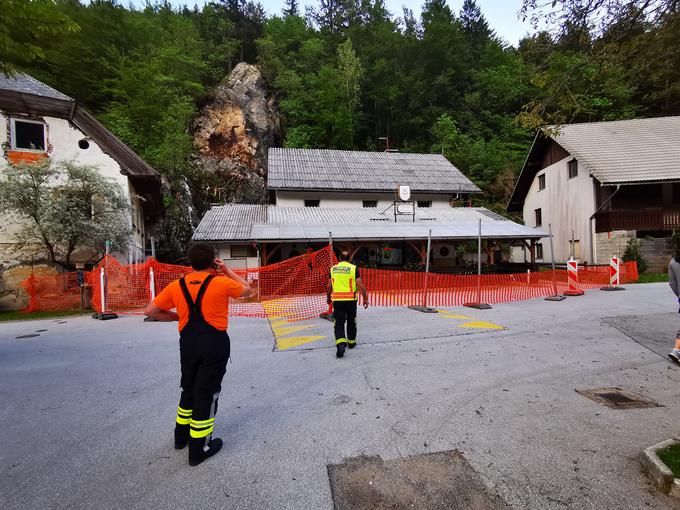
(403,288)
(53,292)
(296,288)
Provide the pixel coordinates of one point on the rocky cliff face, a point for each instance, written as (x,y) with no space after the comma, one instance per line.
(232,136)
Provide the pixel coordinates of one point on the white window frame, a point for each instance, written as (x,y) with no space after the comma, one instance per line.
(12,135)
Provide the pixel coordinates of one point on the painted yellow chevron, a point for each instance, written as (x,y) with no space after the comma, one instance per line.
(278,332)
(480,325)
(449,315)
(287,343)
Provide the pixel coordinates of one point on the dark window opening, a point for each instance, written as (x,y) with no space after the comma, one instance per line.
(541,182)
(444,251)
(312,203)
(539,251)
(424,203)
(29,136)
(242,251)
(539,217)
(84,144)
(370,203)
(572,168)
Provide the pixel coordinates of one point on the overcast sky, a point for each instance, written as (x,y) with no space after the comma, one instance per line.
(501,14)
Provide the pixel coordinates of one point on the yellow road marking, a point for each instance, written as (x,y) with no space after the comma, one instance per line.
(287,343)
(449,315)
(480,325)
(292,329)
(278,324)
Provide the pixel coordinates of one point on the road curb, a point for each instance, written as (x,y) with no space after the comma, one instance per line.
(658,471)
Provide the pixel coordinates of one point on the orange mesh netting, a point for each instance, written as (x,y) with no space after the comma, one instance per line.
(53,292)
(296,288)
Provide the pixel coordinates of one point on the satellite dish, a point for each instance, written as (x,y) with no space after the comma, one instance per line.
(404,193)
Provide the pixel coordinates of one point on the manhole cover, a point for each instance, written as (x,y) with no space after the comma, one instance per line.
(428,481)
(617,398)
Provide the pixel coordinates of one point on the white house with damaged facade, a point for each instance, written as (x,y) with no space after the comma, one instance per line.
(38,122)
(379,205)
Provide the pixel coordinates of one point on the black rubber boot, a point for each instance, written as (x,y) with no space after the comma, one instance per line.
(351,344)
(181,436)
(340,352)
(198,454)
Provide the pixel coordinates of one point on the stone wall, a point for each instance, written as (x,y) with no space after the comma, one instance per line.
(610,245)
(657,251)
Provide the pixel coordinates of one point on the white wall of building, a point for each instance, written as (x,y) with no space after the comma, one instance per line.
(352,200)
(62,139)
(566,204)
(234,261)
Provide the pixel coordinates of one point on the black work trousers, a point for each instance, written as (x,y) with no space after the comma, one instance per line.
(345,311)
(204,352)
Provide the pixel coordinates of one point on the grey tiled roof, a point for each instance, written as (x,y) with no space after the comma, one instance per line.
(237,222)
(626,151)
(304,169)
(231,221)
(28,85)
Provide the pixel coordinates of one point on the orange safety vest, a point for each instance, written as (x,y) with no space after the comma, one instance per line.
(343,277)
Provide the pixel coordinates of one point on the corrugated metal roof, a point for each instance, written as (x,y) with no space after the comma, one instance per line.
(626,151)
(276,223)
(28,85)
(231,221)
(379,231)
(304,169)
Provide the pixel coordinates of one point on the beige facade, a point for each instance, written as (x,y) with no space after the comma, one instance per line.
(62,143)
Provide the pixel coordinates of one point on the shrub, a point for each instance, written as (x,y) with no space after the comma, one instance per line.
(633,253)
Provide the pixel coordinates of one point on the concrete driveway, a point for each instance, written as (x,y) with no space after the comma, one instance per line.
(88,407)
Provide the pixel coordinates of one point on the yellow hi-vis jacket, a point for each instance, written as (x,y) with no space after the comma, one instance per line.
(343,276)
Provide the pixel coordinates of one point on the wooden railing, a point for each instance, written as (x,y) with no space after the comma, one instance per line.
(661,219)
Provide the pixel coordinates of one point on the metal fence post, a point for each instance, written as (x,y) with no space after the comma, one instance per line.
(427,266)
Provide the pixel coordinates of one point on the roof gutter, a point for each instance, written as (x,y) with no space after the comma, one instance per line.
(590,221)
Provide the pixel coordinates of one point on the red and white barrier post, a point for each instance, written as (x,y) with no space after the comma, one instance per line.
(614,275)
(572,279)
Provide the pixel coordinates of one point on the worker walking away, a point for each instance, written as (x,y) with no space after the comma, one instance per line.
(341,290)
(202,303)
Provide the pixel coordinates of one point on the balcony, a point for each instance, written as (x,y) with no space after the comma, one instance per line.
(658,219)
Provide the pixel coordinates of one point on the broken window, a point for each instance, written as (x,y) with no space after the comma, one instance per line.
(28,135)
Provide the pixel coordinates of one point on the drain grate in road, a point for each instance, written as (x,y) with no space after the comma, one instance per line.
(617,398)
(428,481)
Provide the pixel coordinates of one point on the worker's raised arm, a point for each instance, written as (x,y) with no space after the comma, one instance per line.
(156,312)
(224,269)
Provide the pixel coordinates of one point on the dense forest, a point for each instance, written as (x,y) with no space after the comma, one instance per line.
(348,73)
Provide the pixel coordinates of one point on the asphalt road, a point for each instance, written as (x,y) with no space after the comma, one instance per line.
(87,408)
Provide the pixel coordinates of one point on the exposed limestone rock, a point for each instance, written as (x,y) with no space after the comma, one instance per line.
(232,136)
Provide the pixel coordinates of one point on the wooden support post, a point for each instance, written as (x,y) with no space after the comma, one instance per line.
(272,252)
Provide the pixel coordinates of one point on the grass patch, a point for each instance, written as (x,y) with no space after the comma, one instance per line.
(20,316)
(671,457)
(652,278)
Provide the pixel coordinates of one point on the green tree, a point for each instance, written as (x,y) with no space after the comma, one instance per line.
(350,73)
(63,206)
(26,27)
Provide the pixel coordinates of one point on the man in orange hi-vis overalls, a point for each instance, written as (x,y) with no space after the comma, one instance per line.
(342,289)
(202,303)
